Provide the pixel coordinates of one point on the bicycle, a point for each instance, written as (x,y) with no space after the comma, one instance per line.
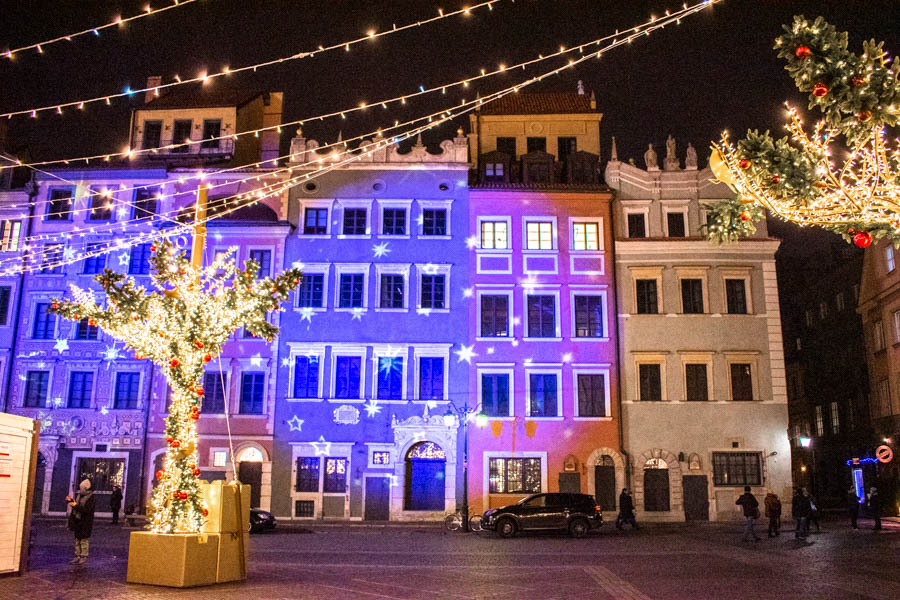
(454,521)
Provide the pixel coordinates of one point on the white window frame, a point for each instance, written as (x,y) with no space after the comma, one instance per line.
(9,242)
(678,210)
(295,350)
(70,368)
(744,273)
(13,294)
(309,450)
(648,273)
(273,268)
(351,269)
(246,366)
(889,258)
(353,351)
(390,351)
(35,299)
(540,220)
(326,203)
(587,369)
(636,209)
(314,269)
(598,221)
(126,366)
(372,448)
(650,358)
(495,219)
(505,290)
(345,203)
(701,273)
(392,269)
(699,358)
(393,203)
(486,470)
(542,290)
(424,205)
(433,269)
(431,351)
(744,358)
(589,290)
(496,369)
(560,401)
(22,371)
(212,458)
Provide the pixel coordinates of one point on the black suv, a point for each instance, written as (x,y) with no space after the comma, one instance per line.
(576,513)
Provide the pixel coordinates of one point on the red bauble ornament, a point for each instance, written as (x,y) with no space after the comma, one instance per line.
(159,474)
(205,513)
(55,305)
(169,440)
(858,81)
(138,356)
(153,248)
(207,358)
(802,52)
(176,443)
(745,216)
(199,392)
(195,416)
(864,116)
(863,239)
(184,495)
(819,90)
(744,163)
(176,495)
(776,179)
(92,323)
(198,344)
(196,472)
(76,316)
(173,363)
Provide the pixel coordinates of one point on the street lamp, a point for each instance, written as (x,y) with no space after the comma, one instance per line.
(806,442)
(450,416)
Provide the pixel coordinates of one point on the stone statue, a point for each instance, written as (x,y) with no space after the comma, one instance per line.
(671,163)
(650,158)
(690,159)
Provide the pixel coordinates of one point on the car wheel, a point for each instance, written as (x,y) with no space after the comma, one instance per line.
(579,528)
(506,528)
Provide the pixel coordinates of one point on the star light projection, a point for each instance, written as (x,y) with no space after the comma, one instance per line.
(181,325)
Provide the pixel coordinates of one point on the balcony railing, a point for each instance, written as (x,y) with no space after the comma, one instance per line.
(220,147)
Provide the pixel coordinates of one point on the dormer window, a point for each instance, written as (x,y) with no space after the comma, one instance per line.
(152,134)
(536,144)
(493,171)
(211,130)
(181,133)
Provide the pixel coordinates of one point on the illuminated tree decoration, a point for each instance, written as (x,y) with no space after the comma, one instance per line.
(803,178)
(181,325)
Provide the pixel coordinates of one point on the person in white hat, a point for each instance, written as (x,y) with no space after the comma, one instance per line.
(81,520)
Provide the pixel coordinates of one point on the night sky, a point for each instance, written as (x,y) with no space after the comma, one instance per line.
(716,70)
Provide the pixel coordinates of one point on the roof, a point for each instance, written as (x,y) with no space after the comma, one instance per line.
(545,103)
(201,97)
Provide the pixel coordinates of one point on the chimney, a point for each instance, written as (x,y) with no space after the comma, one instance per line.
(152,82)
(593,101)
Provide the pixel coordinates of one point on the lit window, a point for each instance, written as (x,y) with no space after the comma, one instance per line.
(586,236)
(835,419)
(889,258)
(540,236)
(494,235)
(219,457)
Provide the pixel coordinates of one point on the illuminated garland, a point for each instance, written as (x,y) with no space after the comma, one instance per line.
(799,177)
(181,326)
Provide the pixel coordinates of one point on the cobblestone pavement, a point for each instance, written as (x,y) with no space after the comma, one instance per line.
(705,561)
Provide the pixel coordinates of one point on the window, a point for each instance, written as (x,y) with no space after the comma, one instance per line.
(515,475)
(495,394)
(211,130)
(50,259)
(139,264)
(152,134)
(889,258)
(692,296)
(736,296)
(820,421)
(335,476)
(645,293)
(878,336)
(352,290)
(431,378)
(307,474)
(433,288)
(588,316)
(145,203)
(346,376)
(181,133)
(5,293)
(127,389)
(494,235)
(835,419)
(315,221)
(507,145)
(393,221)
(81,383)
(566,147)
(44,322)
(536,144)
(101,205)
(391,291)
(543,400)
(355,221)
(736,469)
(884,399)
(94,262)
(823,310)
(591,395)
(10,232)
(37,385)
(808,318)
(839,301)
(586,236)
(389,378)
(86,331)
(695,383)
(252,393)
(650,383)
(675,224)
(897,325)
(264,259)
(306,377)
(219,458)
(493,171)
(539,236)
(541,316)
(434,221)
(636,225)
(741,382)
(60,204)
(494,316)
(213,393)
(311,292)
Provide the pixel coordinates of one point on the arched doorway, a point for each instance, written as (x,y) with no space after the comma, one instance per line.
(605,483)
(426,464)
(250,472)
(656,485)
(40,473)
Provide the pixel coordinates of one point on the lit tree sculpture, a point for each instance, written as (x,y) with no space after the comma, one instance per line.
(181,326)
(803,177)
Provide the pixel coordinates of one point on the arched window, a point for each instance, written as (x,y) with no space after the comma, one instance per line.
(250,455)
(425,473)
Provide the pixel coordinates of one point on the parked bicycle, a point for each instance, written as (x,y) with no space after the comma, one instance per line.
(454,521)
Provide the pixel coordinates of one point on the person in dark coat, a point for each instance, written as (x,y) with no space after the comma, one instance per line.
(626,510)
(773,511)
(115,504)
(81,520)
(800,507)
(875,506)
(853,507)
(750,505)
(813,512)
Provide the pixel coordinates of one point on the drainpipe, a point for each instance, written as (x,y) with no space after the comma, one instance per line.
(142,496)
(32,192)
(619,344)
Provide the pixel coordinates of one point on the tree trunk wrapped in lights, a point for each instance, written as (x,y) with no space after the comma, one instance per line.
(803,177)
(181,325)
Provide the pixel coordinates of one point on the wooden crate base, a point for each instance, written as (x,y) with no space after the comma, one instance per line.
(183,560)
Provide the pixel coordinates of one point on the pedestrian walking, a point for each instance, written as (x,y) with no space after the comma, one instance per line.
(81,520)
(800,509)
(115,504)
(773,511)
(853,507)
(751,513)
(875,506)
(813,512)
(626,510)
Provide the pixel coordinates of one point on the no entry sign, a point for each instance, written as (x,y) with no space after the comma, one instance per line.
(884,454)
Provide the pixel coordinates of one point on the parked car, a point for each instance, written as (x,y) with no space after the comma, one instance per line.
(575,513)
(261,520)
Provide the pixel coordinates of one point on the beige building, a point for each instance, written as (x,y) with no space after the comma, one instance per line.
(702,367)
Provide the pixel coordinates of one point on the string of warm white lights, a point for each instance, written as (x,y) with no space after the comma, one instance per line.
(206,77)
(117,22)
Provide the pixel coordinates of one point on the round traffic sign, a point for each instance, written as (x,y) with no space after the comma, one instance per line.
(884,454)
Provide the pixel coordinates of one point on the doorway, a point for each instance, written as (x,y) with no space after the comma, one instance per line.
(250,473)
(378,496)
(656,485)
(605,483)
(425,471)
(39,474)
(696,497)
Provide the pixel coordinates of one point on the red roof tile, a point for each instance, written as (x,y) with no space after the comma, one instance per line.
(556,103)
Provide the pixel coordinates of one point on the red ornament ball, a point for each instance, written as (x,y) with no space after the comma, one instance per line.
(173,363)
(858,81)
(744,163)
(176,495)
(207,358)
(776,179)
(160,473)
(819,90)
(92,323)
(198,344)
(55,305)
(199,392)
(195,416)
(802,52)
(153,248)
(863,239)
(138,356)
(176,443)
(169,440)
(745,216)
(76,316)
(864,116)
(184,495)
(196,472)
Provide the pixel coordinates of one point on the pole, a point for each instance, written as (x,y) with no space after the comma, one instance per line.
(199,241)
(466,469)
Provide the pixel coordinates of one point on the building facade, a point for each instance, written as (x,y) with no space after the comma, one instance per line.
(703,383)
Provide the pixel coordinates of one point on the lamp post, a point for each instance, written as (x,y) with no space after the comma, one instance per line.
(451,415)
(806,443)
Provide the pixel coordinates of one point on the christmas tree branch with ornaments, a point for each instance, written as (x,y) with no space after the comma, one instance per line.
(181,325)
(808,178)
